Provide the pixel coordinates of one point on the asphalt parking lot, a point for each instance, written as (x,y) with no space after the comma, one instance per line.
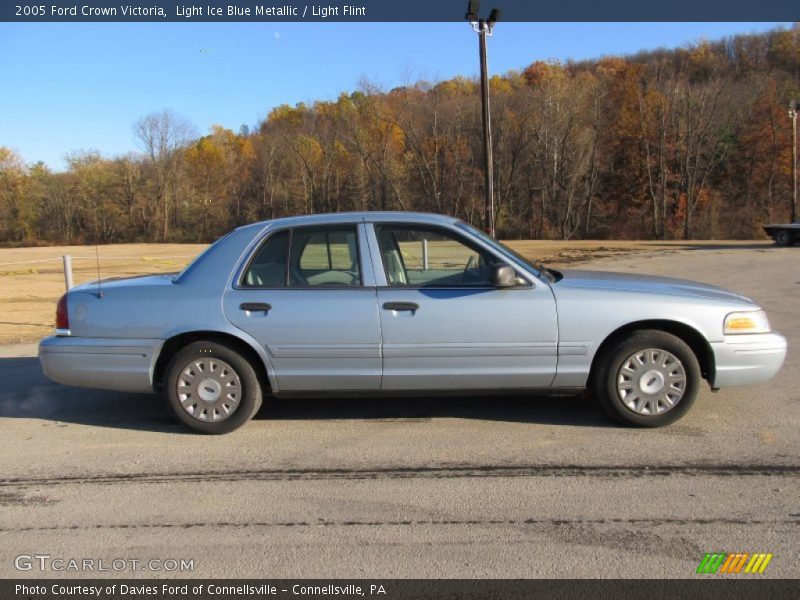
(453,487)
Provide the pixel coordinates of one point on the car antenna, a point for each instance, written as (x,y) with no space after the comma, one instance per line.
(97,258)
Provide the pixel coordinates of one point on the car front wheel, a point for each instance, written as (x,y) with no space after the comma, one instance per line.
(649,379)
(211,388)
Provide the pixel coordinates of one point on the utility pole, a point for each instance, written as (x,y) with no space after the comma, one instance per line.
(794,106)
(485,27)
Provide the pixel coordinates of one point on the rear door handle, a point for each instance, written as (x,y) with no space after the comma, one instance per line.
(255,306)
(412,306)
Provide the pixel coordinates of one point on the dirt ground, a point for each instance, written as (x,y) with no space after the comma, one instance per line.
(32,279)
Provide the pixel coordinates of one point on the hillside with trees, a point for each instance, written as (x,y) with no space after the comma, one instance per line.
(668,144)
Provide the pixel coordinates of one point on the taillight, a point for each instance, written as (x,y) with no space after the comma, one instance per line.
(62,318)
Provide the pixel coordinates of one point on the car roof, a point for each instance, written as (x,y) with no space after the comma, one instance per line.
(355,217)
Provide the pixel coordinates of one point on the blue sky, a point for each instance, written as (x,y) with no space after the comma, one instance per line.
(81,86)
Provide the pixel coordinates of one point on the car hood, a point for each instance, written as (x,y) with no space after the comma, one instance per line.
(651,284)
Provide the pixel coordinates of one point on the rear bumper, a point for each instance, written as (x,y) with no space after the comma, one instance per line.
(105,363)
(747,359)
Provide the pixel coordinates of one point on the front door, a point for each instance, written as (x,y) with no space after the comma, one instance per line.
(303,298)
(444,326)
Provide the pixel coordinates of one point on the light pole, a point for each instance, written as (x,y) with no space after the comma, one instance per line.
(484,27)
(794,106)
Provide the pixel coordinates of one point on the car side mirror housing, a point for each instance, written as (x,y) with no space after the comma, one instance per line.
(503,276)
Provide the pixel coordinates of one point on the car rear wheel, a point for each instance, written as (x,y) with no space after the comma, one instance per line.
(783,238)
(649,379)
(211,388)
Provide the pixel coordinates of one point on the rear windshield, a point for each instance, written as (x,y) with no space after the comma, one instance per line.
(197,258)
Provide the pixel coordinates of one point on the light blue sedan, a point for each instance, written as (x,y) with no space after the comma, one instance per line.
(379,302)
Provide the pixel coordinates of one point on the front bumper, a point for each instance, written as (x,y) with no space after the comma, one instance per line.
(747,359)
(106,363)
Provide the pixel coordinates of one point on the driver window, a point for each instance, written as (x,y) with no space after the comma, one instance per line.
(430,258)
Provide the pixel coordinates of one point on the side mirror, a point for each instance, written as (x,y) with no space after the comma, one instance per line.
(503,276)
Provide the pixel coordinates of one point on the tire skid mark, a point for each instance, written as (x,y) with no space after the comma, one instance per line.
(546,523)
(442,472)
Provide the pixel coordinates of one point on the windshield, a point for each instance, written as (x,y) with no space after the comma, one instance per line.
(503,249)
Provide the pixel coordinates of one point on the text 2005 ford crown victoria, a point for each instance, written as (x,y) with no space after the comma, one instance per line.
(401,303)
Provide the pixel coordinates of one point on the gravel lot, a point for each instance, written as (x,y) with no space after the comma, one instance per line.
(454,487)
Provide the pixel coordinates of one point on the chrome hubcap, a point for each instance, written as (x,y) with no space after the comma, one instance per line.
(651,381)
(209,389)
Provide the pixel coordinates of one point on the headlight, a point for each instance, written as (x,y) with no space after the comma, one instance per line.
(754,321)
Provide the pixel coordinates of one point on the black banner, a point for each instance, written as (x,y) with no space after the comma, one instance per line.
(703,588)
(400,11)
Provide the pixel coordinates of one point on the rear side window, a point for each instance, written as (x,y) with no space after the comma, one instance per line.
(306,257)
(324,257)
(268,268)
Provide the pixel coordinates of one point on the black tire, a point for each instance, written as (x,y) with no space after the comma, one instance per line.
(609,373)
(212,416)
(783,237)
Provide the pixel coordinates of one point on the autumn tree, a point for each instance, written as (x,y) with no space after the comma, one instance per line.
(667,144)
(162,136)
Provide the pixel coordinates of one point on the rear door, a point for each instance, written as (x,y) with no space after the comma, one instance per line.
(444,326)
(303,297)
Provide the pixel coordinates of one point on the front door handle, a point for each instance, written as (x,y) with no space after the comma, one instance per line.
(255,306)
(410,306)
